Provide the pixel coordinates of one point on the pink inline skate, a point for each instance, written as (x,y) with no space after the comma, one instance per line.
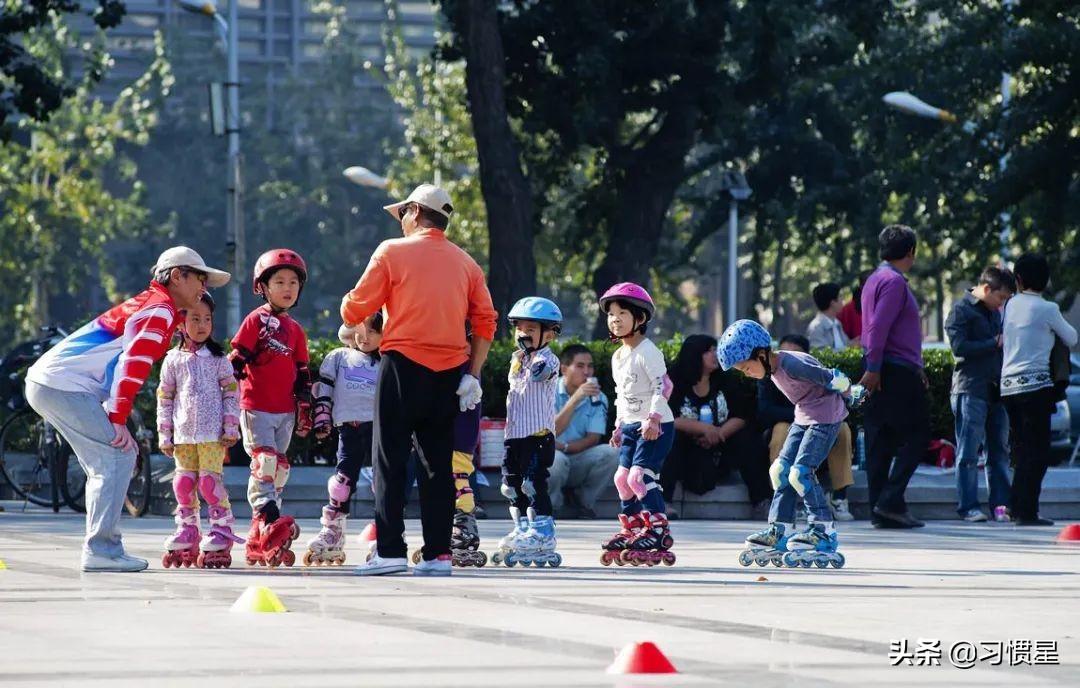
(268,544)
(182,547)
(650,546)
(215,549)
(613,548)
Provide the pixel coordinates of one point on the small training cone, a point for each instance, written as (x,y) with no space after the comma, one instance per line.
(368,533)
(258,599)
(641,658)
(1069,534)
(2,565)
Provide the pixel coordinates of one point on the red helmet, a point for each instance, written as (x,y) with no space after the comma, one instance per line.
(274,259)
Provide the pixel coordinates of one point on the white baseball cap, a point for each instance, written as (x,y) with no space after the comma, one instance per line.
(184,257)
(427,195)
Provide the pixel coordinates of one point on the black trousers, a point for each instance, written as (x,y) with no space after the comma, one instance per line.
(529,458)
(896,420)
(1029,437)
(414,401)
(354,452)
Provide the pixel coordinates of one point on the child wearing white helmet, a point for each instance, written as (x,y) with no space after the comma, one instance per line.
(644,430)
(817,393)
(530,435)
(345,398)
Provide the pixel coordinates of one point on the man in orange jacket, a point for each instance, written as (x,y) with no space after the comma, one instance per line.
(428,286)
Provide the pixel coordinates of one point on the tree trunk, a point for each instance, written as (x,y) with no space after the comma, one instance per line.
(778,276)
(645,185)
(512,266)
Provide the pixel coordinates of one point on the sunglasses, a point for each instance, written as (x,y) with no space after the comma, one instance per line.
(404,209)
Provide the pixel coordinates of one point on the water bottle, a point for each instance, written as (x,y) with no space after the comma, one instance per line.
(860,450)
(595,399)
(706,415)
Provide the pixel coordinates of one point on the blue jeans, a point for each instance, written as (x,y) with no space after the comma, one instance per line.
(649,455)
(980,423)
(806,447)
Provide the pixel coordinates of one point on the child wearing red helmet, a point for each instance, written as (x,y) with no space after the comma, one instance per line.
(270,357)
(644,430)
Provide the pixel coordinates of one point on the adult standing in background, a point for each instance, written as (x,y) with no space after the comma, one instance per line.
(896,416)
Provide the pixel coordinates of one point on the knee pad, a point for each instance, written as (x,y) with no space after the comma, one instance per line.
(463,493)
(339,488)
(778,473)
(184,487)
(621,483)
(264,464)
(212,488)
(801,478)
(281,475)
(635,480)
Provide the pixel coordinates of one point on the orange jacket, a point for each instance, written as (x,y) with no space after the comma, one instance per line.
(429,287)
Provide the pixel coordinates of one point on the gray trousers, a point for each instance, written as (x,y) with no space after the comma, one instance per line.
(269,473)
(587,473)
(81,419)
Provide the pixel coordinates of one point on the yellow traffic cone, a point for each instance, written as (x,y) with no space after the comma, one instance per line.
(258,599)
(2,565)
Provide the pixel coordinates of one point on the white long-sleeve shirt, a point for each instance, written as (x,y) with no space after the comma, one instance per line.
(347,384)
(639,383)
(1030,325)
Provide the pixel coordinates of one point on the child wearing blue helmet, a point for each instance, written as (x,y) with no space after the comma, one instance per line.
(817,393)
(530,435)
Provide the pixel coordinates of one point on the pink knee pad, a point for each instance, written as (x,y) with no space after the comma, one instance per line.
(212,488)
(339,488)
(183,484)
(636,482)
(264,464)
(621,484)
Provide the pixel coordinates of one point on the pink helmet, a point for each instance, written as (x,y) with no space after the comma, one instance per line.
(631,293)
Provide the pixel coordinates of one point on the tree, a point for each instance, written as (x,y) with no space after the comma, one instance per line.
(27,85)
(71,197)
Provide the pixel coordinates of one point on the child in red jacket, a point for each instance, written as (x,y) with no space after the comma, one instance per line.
(270,357)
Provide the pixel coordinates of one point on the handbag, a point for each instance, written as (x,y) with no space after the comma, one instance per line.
(1059,368)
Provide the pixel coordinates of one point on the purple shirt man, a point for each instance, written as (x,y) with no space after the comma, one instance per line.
(890,320)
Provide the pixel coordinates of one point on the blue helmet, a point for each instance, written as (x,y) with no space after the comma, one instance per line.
(538,309)
(739,341)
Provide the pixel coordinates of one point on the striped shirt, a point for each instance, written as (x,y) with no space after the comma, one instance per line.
(111,356)
(530,403)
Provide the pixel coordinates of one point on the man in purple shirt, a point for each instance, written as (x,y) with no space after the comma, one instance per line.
(896,416)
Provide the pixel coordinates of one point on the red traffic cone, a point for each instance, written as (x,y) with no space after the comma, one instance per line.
(368,534)
(1070,534)
(641,658)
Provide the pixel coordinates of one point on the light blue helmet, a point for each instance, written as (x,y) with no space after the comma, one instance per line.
(538,309)
(739,341)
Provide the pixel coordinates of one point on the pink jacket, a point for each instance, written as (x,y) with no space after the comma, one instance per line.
(197,398)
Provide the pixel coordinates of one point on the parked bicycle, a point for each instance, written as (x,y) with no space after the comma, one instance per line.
(36,461)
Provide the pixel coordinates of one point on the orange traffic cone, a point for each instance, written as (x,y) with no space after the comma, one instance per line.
(641,658)
(1070,534)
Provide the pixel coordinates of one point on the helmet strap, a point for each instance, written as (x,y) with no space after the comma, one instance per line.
(763,358)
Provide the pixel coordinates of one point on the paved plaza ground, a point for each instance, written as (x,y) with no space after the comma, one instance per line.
(719,623)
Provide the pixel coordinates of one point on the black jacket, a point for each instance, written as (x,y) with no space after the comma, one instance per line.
(973,331)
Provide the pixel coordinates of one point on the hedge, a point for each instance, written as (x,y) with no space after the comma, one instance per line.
(939,366)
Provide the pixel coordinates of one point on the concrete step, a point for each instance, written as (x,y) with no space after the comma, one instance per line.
(929,496)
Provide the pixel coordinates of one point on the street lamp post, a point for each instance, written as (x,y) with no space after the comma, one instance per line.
(234,216)
(735,184)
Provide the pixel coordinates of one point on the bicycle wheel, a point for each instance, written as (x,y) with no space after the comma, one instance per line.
(72,479)
(23,461)
(137,501)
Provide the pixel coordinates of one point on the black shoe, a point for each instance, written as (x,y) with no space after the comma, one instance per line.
(1037,521)
(902,520)
(884,523)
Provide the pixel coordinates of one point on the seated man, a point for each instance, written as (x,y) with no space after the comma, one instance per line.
(825,331)
(582,462)
(777,414)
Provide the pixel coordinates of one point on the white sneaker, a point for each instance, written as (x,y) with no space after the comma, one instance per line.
(380,566)
(840,510)
(122,564)
(439,566)
(975,516)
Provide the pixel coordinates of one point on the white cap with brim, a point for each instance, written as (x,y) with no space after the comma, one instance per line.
(428,195)
(184,257)
(346,334)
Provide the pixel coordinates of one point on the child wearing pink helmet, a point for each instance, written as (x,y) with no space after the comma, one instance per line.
(644,430)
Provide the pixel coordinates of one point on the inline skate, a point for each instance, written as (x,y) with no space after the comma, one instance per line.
(814,547)
(465,541)
(652,543)
(182,547)
(769,545)
(631,525)
(268,544)
(537,545)
(215,549)
(328,546)
(508,543)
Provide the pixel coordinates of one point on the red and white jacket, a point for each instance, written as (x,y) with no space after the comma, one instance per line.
(111,356)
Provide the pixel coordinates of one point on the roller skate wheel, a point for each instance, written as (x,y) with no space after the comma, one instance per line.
(309,558)
(791,560)
(777,560)
(745,558)
(481,559)
(669,558)
(626,556)
(761,560)
(250,561)
(556,562)
(821,563)
(496,558)
(294,530)
(806,563)
(166,560)
(416,557)
(288,557)
(509,561)
(838,562)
